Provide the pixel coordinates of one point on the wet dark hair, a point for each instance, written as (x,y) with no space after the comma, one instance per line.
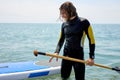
(69,8)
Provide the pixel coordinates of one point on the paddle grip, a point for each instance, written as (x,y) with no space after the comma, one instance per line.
(41,53)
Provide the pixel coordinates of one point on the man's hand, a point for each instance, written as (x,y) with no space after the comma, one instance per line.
(53,57)
(90,62)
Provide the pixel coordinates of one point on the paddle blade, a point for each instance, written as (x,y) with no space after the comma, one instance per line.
(116,69)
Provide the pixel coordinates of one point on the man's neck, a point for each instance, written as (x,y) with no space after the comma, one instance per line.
(72,17)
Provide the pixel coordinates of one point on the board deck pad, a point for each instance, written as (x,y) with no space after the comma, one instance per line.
(46,63)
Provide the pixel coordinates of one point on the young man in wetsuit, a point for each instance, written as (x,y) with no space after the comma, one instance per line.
(73,33)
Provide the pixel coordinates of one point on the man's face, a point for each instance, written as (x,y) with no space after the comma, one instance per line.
(63,14)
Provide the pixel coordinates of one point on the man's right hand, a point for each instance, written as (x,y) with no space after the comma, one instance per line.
(53,57)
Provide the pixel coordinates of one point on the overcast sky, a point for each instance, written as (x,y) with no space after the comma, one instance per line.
(47,11)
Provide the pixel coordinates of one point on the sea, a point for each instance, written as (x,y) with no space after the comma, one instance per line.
(19,40)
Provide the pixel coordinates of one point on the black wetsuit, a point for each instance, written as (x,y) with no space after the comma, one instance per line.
(73,33)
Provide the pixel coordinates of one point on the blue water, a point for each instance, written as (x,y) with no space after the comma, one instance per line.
(18,40)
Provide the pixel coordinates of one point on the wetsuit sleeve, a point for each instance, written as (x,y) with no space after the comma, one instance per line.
(90,35)
(61,40)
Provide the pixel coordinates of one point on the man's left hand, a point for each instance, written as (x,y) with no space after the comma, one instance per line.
(90,62)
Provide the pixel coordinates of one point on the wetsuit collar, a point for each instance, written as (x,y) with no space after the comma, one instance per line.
(73,20)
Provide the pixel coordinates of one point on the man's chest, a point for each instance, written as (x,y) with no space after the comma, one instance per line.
(75,29)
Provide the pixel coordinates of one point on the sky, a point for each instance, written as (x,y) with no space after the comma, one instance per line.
(47,11)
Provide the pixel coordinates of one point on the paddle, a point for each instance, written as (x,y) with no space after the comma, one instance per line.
(75,60)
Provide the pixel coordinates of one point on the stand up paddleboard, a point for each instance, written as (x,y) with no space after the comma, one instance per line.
(24,70)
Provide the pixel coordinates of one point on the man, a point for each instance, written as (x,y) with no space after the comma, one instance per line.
(73,33)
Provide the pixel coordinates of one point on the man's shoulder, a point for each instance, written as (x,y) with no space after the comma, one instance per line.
(84,20)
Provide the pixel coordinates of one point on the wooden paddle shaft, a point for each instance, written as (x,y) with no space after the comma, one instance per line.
(69,58)
(75,60)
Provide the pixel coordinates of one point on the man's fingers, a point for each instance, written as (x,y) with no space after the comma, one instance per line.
(89,62)
(51,59)
(56,59)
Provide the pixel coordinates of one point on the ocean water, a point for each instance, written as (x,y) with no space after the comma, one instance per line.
(19,40)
